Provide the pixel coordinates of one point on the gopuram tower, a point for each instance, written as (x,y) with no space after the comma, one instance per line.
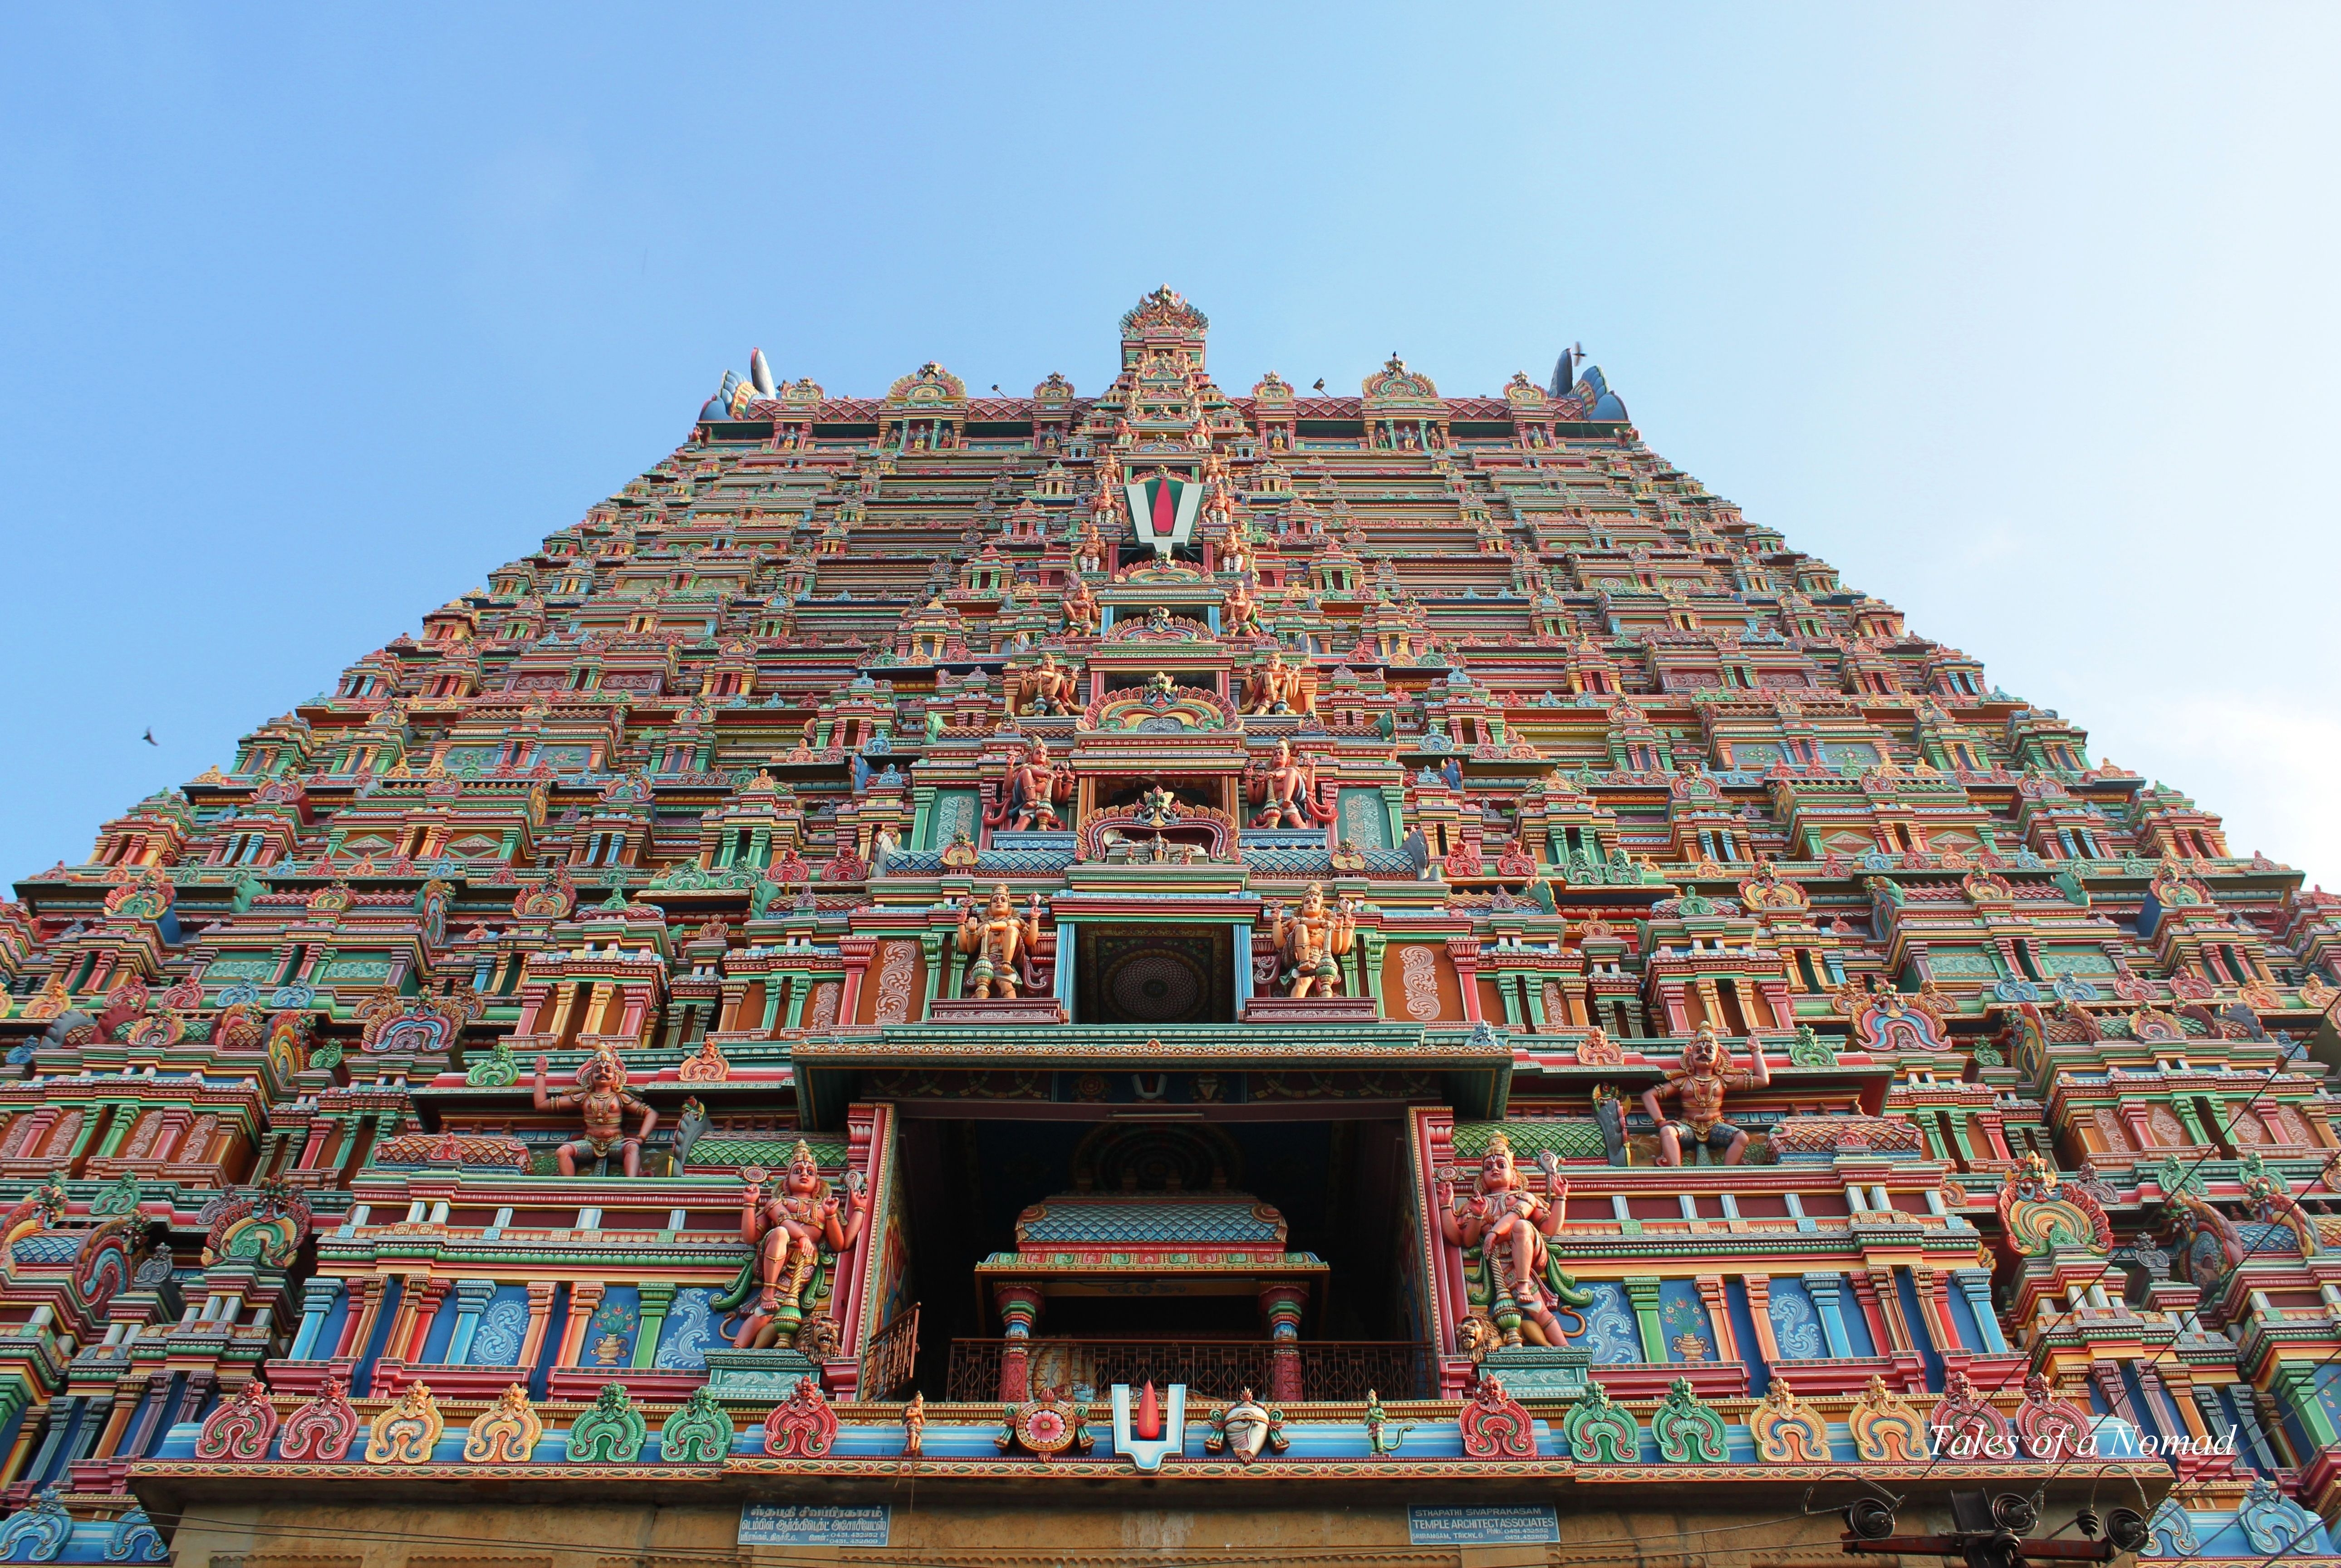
(1167,976)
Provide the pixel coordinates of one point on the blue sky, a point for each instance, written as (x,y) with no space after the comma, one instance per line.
(2024,317)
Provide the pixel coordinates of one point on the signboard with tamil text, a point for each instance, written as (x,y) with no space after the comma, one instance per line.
(814,1524)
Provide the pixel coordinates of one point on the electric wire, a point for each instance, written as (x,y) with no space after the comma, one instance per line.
(2071,1308)
(2226,1135)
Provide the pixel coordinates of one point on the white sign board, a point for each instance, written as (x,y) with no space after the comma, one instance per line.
(814,1524)
(1530,1525)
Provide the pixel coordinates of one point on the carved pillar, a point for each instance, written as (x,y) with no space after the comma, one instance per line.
(317,1298)
(1020,1309)
(540,1318)
(2167,1409)
(1642,1290)
(394,1345)
(1282,1306)
(2297,1379)
(357,1324)
(427,1309)
(1719,1317)
(64,1415)
(584,1295)
(1994,1133)
(124,1405)
(658,1298)
(472,1298)
(198,1389)
(95,1420)
(315,1145)
(14,1398)
(1759,1316)
(2108,1376)
(1464,952)
(1882,1335)
(1975,1283)
(857,952)
(2271,1427)
(1827,1291)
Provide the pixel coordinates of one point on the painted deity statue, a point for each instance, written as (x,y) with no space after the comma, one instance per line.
(1089,551)
(789,1225)
(1239,611)
(1311,939)
(1048,688)
(1699,1084)
(1288,791)
(1000,942)
(1235,553)
(1080,609)
(1035,784)
(1511,1226)
(602,1100)
(1280,688)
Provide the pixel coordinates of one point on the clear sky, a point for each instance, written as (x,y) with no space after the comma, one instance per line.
(2024,317)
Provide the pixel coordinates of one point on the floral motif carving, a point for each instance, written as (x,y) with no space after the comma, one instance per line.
(321,1430)
(505,1433)
(405,1432)
(1418,979)
(1495,1425)
(801,1426)
(241,1428)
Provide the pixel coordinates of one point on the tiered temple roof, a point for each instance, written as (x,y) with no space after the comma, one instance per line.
(1115,875)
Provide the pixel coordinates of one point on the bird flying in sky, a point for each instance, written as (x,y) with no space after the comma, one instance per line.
(150,739)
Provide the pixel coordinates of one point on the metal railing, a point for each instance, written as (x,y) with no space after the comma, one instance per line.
(892,1358)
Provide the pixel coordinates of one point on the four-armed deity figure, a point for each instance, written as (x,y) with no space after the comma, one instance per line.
(1699,1084)
(999,941)
(1310,941)
(788,1228)
(602,1098)
(1034,787)
(1511,1227)
(1287,792)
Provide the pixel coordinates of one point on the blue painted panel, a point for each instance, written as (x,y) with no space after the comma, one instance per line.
(442,1329)
(362,1383)
(689,1333)
(1683,1319)
(1609,1329)
(609,1333)
(330,1334)
(503,1324)
(1796,1325)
